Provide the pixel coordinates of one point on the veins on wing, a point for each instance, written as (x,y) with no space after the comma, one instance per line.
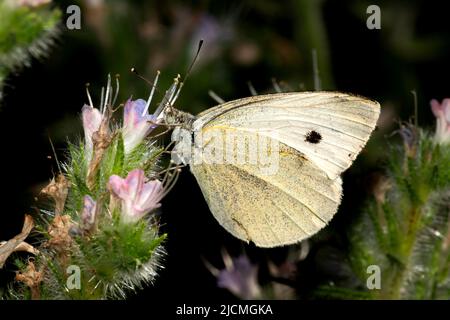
(247,235)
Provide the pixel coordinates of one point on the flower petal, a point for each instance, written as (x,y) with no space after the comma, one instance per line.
(436,107)
(134,183)
(116,185)
(446,110)
(133,112)
(150,195)
(92,119)
(137,196)
(136,124)
(442,113)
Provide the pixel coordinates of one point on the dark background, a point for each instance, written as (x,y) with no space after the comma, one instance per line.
(244,41)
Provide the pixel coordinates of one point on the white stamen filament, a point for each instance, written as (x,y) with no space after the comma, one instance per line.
(227,261)
(173,89)
(215,97)
(117,90)
(252,89)
(107,95)
(110,98)
(276,86)
(151,93)
(89,97)
(176,94)
(102,97)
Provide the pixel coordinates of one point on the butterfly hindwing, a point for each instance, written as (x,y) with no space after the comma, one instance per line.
(270,209)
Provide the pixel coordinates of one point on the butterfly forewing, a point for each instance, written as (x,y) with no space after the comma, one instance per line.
(343,122)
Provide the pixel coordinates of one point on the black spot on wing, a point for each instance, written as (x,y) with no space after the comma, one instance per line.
(313,137)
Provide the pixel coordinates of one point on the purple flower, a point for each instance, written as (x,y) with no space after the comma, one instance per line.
(137,196)
(92,119)
(442,113)
(88,213)
(136,124)
(240,277)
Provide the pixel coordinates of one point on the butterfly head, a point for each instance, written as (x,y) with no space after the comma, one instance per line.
(173,117)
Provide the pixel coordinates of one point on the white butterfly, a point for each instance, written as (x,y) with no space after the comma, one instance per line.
(317,134)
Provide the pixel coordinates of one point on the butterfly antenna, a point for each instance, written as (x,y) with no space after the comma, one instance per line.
(317,83)
(188,72)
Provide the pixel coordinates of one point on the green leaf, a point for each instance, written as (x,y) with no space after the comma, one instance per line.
(119,156)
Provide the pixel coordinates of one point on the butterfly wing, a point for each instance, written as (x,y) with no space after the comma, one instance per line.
(270,210)
(304,193)
(343,123)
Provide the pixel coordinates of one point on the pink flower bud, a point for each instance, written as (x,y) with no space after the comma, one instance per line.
(442,113)
(92,118)
(137,196)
